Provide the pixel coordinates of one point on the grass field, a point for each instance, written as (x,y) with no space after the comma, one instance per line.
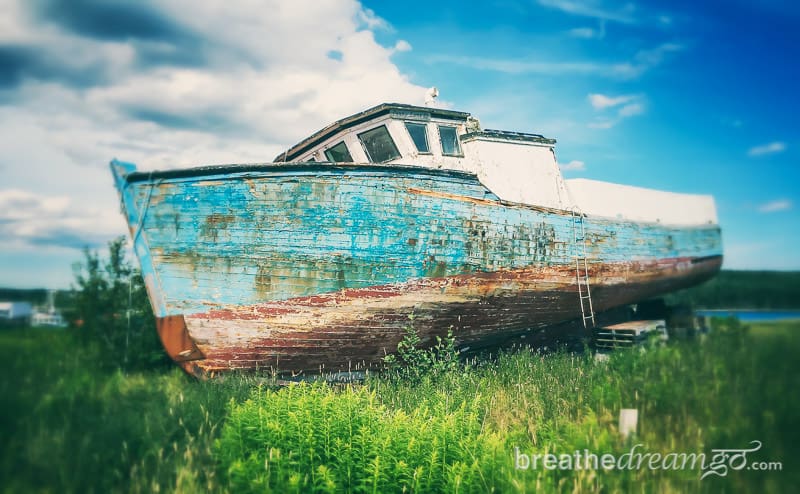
(66,425)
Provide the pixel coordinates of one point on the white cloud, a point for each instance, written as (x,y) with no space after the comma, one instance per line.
(402,45)
(645,60)
(573,165)
(260,91)
(20,205)
(631,110)
(642,62)
(588,32)
(594,9)
(518,66)
(372,21)
(625,106)
(771,148)
(775,206)
(277,72)
(28,218)
(601,101)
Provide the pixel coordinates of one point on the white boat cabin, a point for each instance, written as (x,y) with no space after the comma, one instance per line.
(517,167)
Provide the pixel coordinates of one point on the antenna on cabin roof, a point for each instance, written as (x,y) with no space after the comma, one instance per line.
(430,96)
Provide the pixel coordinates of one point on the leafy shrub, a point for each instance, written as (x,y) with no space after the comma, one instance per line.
(313,438)
(112,314)
(413,361)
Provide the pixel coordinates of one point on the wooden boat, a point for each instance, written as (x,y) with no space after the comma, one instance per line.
(317,260)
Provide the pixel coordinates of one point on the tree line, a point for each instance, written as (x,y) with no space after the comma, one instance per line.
(743,290)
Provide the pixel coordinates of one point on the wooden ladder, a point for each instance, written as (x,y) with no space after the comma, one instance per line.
(582,268)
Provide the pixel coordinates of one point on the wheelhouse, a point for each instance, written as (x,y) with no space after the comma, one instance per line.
(515,166)
(389,133)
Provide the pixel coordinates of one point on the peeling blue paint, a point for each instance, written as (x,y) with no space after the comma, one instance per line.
(273,234)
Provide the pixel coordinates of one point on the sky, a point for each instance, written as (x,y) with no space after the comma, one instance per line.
(695,97)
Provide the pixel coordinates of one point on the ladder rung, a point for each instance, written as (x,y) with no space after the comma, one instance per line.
(582,272)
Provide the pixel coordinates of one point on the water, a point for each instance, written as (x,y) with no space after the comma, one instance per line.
(752,315)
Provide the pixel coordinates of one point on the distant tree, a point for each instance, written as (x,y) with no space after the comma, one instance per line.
(111,312)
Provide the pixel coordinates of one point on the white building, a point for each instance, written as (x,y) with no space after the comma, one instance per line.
(50,317)
(15,313)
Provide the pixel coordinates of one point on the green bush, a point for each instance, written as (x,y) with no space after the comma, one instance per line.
(313,438)
(112,314)
(413,361)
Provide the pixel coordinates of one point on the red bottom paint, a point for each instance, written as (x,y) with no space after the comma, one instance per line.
(355,328)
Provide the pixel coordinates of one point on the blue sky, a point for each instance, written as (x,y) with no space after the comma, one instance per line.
(710,90)
(687,96)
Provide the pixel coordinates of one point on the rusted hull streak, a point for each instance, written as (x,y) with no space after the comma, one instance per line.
(356,328)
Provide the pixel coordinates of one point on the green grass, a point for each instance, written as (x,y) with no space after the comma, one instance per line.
(69,426)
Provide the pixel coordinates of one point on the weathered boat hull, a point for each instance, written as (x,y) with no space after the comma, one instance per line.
(319,266)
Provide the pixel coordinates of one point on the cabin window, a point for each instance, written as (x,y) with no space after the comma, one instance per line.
(449,139)
(379,145)
(419,134)
(339,153)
